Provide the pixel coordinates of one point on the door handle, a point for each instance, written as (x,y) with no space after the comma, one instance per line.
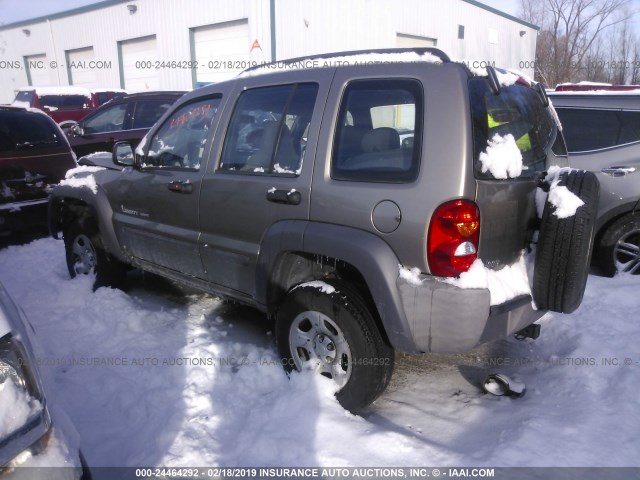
(290,197)
(180,186)
(618,171)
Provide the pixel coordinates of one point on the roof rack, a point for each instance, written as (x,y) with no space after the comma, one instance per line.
(351,53)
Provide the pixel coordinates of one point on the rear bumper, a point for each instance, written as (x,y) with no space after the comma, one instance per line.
(444,318)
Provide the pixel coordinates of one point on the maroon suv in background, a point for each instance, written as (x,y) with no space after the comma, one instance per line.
(65,104)
(127,118)
(34,155)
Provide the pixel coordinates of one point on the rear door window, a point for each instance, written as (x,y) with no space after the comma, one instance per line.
(267,132)
(517,111)
(595,129)
(147,112)
(379,132)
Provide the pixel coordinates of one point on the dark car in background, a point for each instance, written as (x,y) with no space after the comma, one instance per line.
(602,131)
(67,104)
(127,118)
(34,155)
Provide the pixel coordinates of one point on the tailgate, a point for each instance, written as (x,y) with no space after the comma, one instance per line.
(515,137)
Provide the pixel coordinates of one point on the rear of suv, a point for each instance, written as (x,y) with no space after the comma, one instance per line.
(602,130)
(34,156)
(376,201)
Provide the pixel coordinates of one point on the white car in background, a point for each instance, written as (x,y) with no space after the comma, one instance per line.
(32,432)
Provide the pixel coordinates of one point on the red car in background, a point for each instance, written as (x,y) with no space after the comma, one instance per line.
(66,105)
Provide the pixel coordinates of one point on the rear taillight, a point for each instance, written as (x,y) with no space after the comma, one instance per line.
(454,233)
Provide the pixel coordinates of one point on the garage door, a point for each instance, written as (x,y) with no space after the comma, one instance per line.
(221,50)
(137,59)
(37,69)
(79,63)
(414,41)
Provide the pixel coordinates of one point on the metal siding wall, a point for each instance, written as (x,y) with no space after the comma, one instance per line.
(306,27)
(303,27)
(101,29)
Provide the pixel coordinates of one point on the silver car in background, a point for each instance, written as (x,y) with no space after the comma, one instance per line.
(602,132)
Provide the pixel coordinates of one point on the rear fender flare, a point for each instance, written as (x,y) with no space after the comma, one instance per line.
(367,253)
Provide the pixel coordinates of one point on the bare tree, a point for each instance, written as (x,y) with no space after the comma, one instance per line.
(569,32)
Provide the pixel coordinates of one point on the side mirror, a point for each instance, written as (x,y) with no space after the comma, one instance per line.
(76,130)
(123,154)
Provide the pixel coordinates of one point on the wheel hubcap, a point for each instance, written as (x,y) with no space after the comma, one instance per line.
(317,342)
(626,254)
(84,255)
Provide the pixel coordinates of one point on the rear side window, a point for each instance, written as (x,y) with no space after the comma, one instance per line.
(379,132)
(587,130)
(148,112)
(267,132)
(181,141)
(26,131)
(518,111)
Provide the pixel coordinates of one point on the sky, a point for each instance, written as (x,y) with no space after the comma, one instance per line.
(14,11)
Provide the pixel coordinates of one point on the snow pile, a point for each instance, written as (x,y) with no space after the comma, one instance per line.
(505,284)
(243,410)
(82,169)
(320,285)
(411,276)
(506,79)
(332,62)
(88,181)
(17,407)
(97,154)
(502,157)
(565,201)
(278,169)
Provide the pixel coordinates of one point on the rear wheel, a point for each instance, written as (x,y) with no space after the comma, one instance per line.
(85,255)
(564,247)
(619,247)
(330,329)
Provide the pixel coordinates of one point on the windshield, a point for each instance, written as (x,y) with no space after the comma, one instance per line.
(519,112)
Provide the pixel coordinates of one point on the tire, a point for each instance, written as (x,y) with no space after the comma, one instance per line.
(312,323)
(619,247)
(85,255)
(565,246)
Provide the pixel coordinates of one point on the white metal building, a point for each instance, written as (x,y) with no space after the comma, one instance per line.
(180,44)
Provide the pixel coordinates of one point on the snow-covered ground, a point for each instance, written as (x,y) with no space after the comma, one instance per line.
(156,376)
